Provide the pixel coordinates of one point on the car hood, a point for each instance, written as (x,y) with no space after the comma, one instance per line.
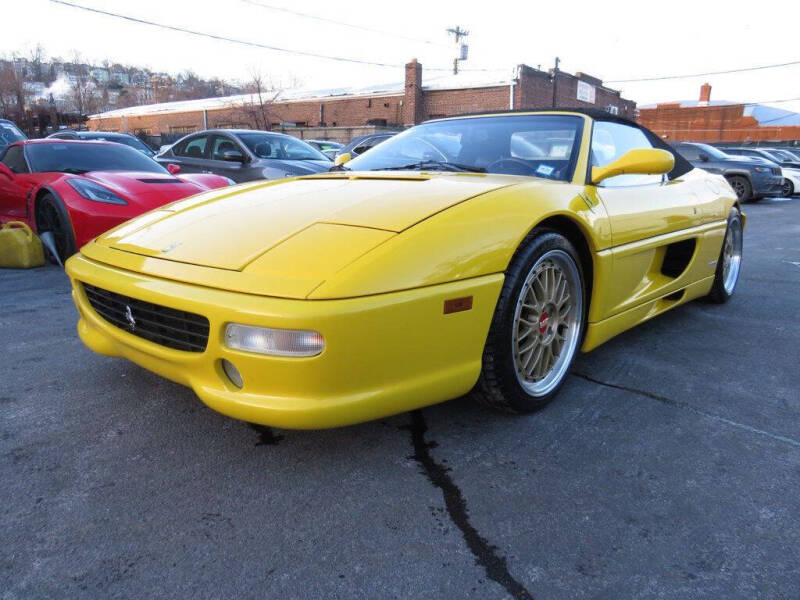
(142,187)
(751,160)
(294,233)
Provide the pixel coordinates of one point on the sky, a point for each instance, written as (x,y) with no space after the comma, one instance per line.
(617,40)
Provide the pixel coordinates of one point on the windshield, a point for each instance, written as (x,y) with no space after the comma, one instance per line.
(714,152)
(534,145)
(265,145)
(127,140)
(10,134)
(780,155)
(80,157)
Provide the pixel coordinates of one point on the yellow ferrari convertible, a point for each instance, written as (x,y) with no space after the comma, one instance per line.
(476,253)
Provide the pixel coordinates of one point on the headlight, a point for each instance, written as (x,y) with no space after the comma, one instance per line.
(230,181)
(94,191)
(276,342)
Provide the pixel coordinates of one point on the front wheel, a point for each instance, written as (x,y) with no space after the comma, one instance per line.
(788,188)
(730,260)
(742,187)
(537,326)
(54,227)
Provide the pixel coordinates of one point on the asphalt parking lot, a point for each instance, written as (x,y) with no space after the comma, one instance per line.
(669,467)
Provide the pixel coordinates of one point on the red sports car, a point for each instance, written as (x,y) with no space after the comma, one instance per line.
(72,191)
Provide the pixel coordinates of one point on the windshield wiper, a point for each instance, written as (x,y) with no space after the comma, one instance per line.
(433,165)
(74,171)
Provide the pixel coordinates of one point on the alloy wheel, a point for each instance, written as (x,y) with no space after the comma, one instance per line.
(547,322)
(732,256)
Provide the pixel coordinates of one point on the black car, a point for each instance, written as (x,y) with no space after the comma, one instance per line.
(362,143)
(244,155)
(751,178)
(106,136)
(9,133)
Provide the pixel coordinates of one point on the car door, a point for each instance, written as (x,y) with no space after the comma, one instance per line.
(14,190)
(656,223)
(236,170)
(191,154)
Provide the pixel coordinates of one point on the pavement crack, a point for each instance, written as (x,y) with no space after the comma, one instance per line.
(686,406)
(485,553)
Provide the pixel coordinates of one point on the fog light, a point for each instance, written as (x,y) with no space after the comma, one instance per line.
(232,373)
(277,342)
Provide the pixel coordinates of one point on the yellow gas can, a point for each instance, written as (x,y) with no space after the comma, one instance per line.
(19,247)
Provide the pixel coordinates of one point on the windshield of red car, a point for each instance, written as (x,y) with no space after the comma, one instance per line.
(81,157)
(540,145)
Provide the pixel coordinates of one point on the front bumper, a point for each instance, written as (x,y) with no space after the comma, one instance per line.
(384,354)
(767,185)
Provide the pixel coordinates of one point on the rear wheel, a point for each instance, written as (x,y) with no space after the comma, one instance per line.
(52,222)
(742,187)
(537,326)
(730,260)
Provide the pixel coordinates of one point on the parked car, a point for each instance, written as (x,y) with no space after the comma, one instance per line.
(105,136)
(793,151)
(245,155)
(327,147)
(70,191)
(790,166)
(9,133)
(360,144)
(752,179)
(404,281)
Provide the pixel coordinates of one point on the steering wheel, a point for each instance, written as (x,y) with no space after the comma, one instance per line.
(518,166)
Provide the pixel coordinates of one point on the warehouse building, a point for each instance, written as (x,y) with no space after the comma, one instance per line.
(721,121)
(343,113)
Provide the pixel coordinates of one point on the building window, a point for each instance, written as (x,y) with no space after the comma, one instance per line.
(183,129)
(613,109)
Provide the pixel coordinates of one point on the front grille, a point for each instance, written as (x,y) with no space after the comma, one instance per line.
(168,327)
(776,170)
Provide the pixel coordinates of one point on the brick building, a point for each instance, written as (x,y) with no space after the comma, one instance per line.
(342,113)
(720,121)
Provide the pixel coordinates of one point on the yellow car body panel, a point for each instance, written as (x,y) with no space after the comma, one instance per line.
(369,261)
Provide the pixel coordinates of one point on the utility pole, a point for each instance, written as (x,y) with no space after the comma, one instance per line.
(461,49)
(555,80)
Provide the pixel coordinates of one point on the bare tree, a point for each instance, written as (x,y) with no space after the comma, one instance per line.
(84,91)
(256,110)
(13,95)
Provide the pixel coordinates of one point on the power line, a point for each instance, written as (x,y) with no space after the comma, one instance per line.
(224,38)
(340,23)
(666,77)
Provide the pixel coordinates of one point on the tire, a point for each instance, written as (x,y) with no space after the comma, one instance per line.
(51,216)
(729,264)
(788,188)
(542,300)
(742,187)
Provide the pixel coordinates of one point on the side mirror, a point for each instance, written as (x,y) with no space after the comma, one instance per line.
(173,168)
(233,156)
(644,161)
(341,159)
(4,170)
(703,157)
